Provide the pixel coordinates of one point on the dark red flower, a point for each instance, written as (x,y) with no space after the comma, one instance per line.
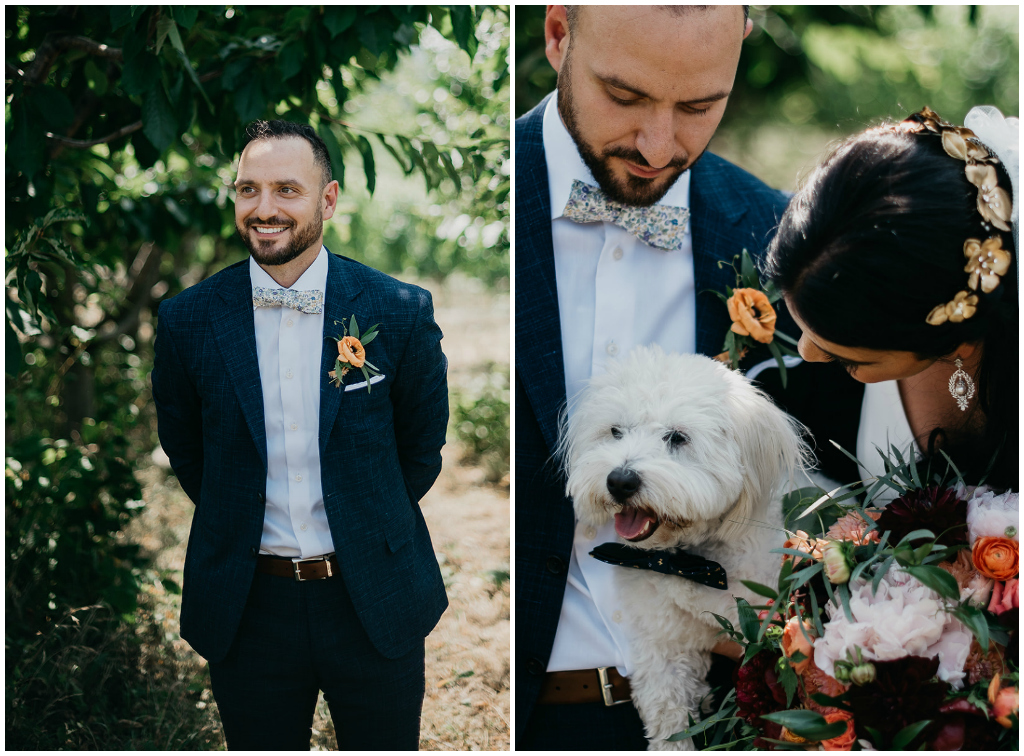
(758,692)
(932,508)
(904,691)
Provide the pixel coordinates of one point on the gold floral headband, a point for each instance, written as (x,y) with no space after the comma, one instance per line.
(987,261)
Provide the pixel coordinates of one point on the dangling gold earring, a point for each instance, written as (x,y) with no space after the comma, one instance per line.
(961,387)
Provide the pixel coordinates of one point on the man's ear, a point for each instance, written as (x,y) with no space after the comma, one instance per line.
(747,28)
(556,35)
(329,198)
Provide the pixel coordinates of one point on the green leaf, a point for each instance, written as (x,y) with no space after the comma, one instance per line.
(163,28)
(463,28)
(760,590)
(185,15)
(353,327)
(338,18)
(158,119)
(807,724)
(751,651)
(876,581)
(363,145)
(249,100)
(289,60)
(13,358)
(975,621)
(748,619)
(844,598)
(937,579)
(367,339)
(903,738)
(141,74)
(366,377)
(119,16)
(698,728)
(774,349)
(788,680)
(748,272)
(801,577)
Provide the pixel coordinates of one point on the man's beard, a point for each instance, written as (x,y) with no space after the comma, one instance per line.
(263,250)
(637,190)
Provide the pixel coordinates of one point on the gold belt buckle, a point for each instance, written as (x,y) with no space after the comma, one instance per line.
(606,688)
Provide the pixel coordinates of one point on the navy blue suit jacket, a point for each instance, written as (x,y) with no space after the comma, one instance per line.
(729,210)
(379,451)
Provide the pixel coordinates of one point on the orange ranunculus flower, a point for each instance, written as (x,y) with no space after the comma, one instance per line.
(752,314)
(351,351)
(801,541)
(1005,701)
(842,742)
(995,557)
(793,640)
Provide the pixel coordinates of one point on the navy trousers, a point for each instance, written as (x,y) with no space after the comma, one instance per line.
(296,639)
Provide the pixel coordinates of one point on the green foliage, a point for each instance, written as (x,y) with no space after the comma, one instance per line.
(66,507)
(481,421)
(845,65)
(94,682)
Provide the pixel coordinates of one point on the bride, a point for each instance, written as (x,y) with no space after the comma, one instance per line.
(897,260)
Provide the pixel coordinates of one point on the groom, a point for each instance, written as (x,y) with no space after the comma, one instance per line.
(309,565)
(641,91)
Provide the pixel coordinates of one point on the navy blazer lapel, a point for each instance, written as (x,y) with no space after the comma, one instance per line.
(539,361)
(341,291)
(716,210)
(235,332)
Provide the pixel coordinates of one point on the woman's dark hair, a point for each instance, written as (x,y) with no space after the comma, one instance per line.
(872,243)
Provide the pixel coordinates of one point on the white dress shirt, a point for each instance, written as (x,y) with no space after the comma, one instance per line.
(614,293)
(289,345)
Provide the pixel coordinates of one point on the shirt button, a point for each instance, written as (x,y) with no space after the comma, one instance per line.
(290,323)
(298,478)
(303,526)
(295,426)
(590,533)
(617,253)
(288,374)
(617,617)
(612,348)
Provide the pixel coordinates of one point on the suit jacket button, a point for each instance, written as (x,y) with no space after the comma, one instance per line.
(259,498)
(535,667)
(555,565)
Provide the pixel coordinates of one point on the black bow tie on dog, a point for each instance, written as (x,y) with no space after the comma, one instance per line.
(690,566)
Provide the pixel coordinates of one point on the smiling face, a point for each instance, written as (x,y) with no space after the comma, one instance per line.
(864,365)
(642,89)
(280,205)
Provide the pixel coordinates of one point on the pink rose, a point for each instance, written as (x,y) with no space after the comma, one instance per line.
(1005,596)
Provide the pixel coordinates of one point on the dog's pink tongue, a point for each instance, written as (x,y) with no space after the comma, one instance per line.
(631,523)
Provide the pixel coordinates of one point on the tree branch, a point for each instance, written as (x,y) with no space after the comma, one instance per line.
(51,47)
(82,143)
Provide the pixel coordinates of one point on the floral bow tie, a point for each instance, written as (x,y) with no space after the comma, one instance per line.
(310,302)
(660,226)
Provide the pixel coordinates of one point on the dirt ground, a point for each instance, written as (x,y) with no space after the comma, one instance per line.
(467,700)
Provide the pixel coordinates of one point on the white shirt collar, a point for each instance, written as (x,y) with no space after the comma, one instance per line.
(314,278)
(565,165)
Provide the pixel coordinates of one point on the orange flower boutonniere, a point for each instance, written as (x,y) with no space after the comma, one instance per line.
(352,353)
(753,318)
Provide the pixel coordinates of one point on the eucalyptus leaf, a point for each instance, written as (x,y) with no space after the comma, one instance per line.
(904,737)
(807,724)
(760,590)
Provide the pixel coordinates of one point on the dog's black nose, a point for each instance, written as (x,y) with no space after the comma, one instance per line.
(622,483)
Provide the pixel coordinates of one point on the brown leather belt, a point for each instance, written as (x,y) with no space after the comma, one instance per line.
(314,568)
(602,685)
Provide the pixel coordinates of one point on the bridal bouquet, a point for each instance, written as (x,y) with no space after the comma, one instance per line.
(890,627)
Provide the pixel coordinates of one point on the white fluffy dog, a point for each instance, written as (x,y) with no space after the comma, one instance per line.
(687,456)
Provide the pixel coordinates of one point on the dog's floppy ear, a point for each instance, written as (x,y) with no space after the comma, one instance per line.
(771,447)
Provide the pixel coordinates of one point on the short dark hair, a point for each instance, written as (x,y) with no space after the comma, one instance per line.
(281,129)
(873,242)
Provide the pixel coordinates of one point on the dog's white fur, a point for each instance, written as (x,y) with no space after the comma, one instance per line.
(715,494)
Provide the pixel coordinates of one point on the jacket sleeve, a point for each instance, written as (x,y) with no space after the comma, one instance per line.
(178,409)
(420,399)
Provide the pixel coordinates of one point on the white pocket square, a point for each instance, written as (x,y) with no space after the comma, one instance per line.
(362,384)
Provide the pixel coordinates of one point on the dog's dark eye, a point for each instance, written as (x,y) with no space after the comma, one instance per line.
(675,438)
(616,431)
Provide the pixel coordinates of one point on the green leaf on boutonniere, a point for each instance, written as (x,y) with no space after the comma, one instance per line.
(368,337)
(371,366)
(353,327)
(366,376)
